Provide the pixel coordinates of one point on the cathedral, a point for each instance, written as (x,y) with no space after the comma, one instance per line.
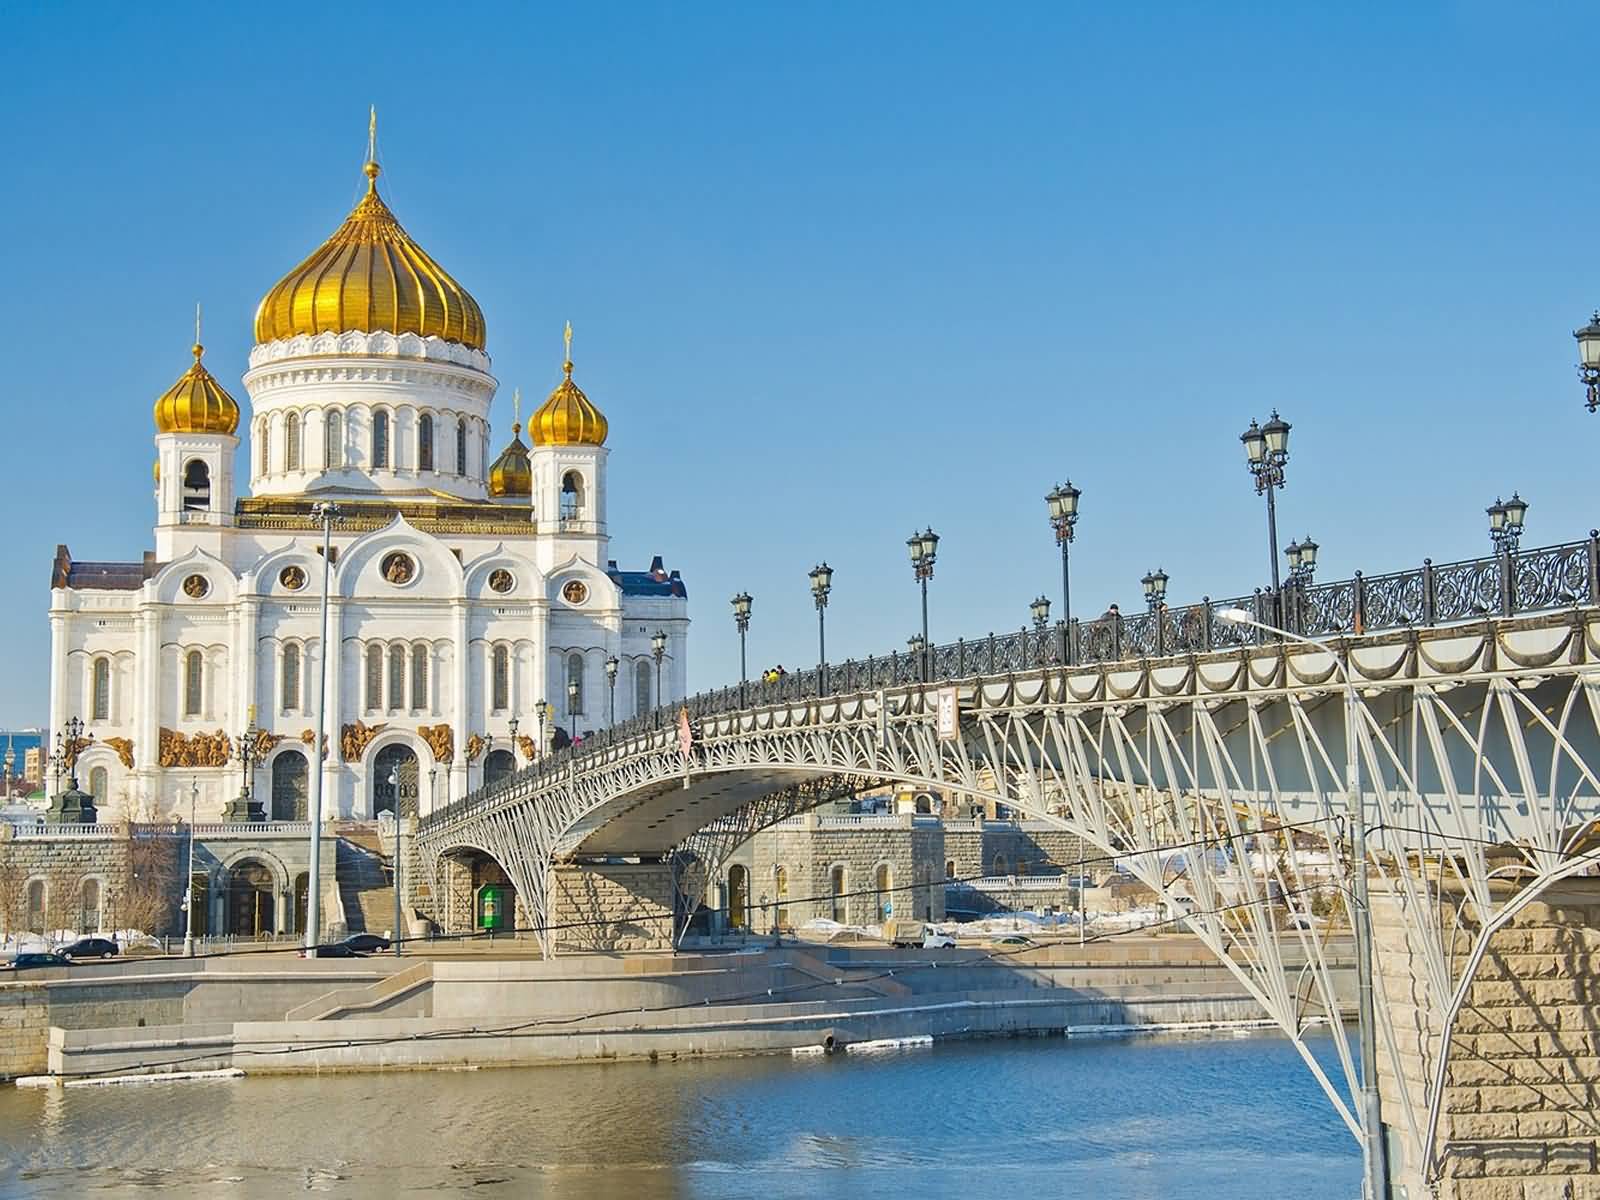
(472,608)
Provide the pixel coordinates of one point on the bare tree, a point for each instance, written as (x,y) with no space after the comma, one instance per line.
(150,888)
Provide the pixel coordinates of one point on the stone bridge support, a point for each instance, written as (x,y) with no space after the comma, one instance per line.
(612,906)
(1520,1115)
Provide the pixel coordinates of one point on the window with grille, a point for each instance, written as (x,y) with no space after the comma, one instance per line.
(193,678)
(380,439)
(291,678)
(425,443)
(501,699)
(102,689)
(333,441)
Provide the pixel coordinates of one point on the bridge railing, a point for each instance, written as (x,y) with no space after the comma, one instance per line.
(1503,584)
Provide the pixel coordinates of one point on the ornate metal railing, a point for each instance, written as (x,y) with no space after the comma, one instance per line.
(1503,584)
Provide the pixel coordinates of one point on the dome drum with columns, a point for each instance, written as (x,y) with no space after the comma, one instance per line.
(468,582)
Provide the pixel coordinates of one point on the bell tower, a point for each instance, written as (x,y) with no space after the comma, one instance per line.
(569,473)
(195,443)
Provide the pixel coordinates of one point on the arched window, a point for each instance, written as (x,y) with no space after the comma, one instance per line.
(498,766)
(419,677)
(89,916)
(264,448)
(397,678)
(780,887)
(36,898)
(641,688)
(380,439)
(836,890)
(461,446)
(425,443)
(196,486)
(1000,864)
(374,678)
(883,884)
(949,868)
(291,442)
(738,896)
(289,786)
(193,678)
(99,785)
(501,683)
(332,441)
(574,676)
(102,689)
(291,678)
(571,496)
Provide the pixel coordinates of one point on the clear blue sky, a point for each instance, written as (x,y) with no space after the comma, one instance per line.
(839,271)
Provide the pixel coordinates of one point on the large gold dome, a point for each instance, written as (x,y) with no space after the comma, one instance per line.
(370,276)
(197,403)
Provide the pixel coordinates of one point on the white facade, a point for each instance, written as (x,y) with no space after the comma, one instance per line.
(447,608)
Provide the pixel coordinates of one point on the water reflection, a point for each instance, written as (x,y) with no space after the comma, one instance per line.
(1236,1119)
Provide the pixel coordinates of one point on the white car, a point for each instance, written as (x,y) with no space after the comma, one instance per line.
(934,940)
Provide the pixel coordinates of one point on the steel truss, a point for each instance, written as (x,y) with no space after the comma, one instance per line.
(1216,780)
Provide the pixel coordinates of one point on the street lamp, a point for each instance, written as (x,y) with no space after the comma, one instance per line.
(821,577)
(1063,501)
(924,547)
(1302,558)
(916,644)
(1155,589)
(512,726)
(1266,448)
(399,817)
(188,893)
(1589,360)
(543,709)
(1040,610)
(248,754)
(741,620)
(1371,1127)
(572,707)
(658,651)
(1506,519)
(612,663)
(327,514)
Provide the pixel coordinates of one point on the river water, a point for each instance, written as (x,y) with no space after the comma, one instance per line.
(1142,1119)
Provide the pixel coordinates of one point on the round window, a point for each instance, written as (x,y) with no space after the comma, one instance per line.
(196,587)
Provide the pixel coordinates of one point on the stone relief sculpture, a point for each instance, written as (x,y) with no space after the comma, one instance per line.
(124,749)
(308,737)
(195,750)
(441,741)
(474,746)
(265,743)
(355,738)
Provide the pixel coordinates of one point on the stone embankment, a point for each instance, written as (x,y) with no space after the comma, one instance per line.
(280,1013)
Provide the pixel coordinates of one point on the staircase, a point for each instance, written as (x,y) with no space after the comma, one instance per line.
(365,887)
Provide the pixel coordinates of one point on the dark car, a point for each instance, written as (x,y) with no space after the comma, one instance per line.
(366,943)
(335,950)
(23,961)
(90,947)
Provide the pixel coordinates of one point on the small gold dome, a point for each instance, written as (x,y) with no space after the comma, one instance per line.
(370,276)
(568,418)
(197,403)
(512,473)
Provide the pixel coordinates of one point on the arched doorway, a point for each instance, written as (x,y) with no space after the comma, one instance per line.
(498,766)
(289,787)
(738,896)
(302,889)
(388,778)
(250,900)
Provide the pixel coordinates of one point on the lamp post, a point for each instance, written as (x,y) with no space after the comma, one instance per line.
(821,577)
(741,621)
(327,514)
(1302,558)
(1266,448)
(1040,611)
(572,708)
(399,818)
(658,651)
(1155,589)
(188,893)
(244,807)
(512,726)
(612,663)
(1371,1127)
(924,548)
(543,709)
(1506,518)
(915,645)
(1589,360)
(1063,501)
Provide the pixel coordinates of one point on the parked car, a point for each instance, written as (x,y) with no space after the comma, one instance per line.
(366,943)
(24,961)
(1015,939)
(90,947)
(934,940)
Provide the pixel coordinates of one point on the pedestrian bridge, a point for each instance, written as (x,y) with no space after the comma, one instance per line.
(1455,708)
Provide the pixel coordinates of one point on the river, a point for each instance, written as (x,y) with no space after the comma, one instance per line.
(1142,1119)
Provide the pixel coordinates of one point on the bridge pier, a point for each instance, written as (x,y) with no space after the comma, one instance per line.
(612,906)
(1520,1113)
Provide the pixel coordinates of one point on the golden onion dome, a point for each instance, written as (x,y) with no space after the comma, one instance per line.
(568,418)
(370,276)
(511,475)
(197,403)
